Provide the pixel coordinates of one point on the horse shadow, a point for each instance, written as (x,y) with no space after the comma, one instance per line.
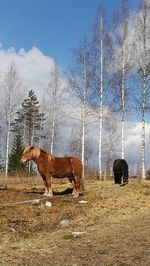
(55,193)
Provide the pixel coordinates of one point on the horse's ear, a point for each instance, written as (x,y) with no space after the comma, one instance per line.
(28,149)
(31,148)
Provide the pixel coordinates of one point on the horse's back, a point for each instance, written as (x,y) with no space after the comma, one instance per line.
(62,161)
(120,164)
(67,164)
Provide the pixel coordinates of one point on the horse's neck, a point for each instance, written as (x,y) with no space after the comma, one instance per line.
(41,157)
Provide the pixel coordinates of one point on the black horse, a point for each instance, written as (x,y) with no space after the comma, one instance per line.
(121,173)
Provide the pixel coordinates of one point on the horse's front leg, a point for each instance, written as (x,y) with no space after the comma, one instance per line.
(48,190)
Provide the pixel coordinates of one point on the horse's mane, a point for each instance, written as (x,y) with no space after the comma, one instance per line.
(51,157)
(27,149)
(36,151)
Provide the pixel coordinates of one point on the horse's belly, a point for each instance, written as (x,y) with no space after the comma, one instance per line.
(61,175)
(58,176)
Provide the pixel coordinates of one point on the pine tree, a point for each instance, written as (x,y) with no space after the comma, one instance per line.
(28,128)
(32,119)
(29,121)
(14,159)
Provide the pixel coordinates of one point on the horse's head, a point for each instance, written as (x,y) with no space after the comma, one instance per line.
(30,153)
(27,154)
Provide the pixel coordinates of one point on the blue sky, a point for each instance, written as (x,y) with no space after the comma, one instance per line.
(53,26)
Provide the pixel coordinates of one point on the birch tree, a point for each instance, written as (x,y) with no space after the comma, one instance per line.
(53,107)
(11,97)
(111,128)
(76,148)
(53,103)
(84,111)
(101,92)
(100,59)
(80,85)
(125,25)
(1,157)
(141,61)
(121,63)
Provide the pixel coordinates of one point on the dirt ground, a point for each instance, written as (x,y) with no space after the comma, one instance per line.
(110,227)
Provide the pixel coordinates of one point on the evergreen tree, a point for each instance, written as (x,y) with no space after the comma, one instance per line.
(29,121)
(27,128)
(14,159)
(32,119)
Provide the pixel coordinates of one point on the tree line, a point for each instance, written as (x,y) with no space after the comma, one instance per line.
(108,82)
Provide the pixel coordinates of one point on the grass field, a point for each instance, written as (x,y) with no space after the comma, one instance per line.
(110,227)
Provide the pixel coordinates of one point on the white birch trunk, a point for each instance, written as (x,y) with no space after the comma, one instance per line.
(143,148)
(84,115)
(145,68)
(111,121)
(11,98)
(8,118)
(40,133)
(110,159)
(101,98)
(55,88)
(31,140)
(24,132)
(143,126)
(7,146)
(123,104)
(83,142)
(53,129)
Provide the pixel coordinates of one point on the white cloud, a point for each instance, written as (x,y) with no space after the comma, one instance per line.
(133,145)
(35,70)
(134,42)
(33,67)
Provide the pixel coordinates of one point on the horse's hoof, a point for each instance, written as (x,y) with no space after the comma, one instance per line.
(49,195)
(75,195)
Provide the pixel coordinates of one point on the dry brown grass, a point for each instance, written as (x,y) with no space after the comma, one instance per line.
(114,222)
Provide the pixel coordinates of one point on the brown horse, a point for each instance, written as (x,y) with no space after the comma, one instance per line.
(58,167)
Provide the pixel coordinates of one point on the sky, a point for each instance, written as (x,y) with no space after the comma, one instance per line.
(55,27)
(35,32)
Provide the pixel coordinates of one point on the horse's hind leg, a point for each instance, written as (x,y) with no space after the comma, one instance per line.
(72,180)
(125,178)
(117,178)
(45,193)
(76,190)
